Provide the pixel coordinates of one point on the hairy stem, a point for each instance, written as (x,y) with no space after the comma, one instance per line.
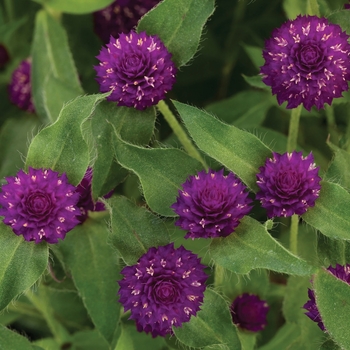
(219,276)
(294,225)
(293,129)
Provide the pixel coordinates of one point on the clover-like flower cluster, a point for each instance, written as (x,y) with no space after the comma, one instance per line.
(211,204)
(289,184)
(40,205)
(19,88)
(137,68)
(307,62)
(339,271)
(249,312)
(164,289)
(121,16)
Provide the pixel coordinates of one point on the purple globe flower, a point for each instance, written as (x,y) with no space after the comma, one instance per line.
(86,203)
(40,205)
(137,68)
(339,271)
(307,62)
(249,312)
(20,87)
(211,204)
(164,289)
(4,56)
(347,6)
(121,16)
(289,184)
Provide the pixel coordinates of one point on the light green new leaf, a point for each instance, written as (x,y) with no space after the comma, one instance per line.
(95,271)
(21,264)
(211,326)
(12,340)
(294,8)
(238,150)
(179,24)
(251,247)
(76,6)
(333,302)
(125,340)
(54,77)
(61,146)
(330,215)
(135,229)
(161,172)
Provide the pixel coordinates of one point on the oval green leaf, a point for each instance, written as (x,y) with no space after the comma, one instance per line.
(12,340)
(77,6)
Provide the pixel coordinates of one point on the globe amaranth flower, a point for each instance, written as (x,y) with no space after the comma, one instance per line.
(4,56)
(164,289)
(347,6)
(86,202)
(40,205)
(137,68)
(211,204)
(307,62)
(19,88)
(249,312)
(121,16)
(289,184)
(339,271)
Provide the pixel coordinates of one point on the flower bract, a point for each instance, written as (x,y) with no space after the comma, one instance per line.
(40,205)
(249,312)
(211,204)
(164,289)
(137,68)
(289,184)
(307,62)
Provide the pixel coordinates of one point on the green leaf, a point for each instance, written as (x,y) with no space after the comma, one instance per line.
(211,326)
(61,146)
(333,302)
(12,340)
(89,340)
(340,167)
(94,267)
(54,77)
(48,344)
(247,339)
(255,54)
(238,150)
(77,6)
(332,251)
(179,24)
(330,345)
(330,214)
(294,8)
(133,126)
(255,81)
(125,340)
(235,110)
(135,229)
(341,18)
(21,264)
(251,247)
(161,172)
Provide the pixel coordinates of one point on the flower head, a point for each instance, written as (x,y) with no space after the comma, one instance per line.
(211,204)
(4,56)
(164,289)
(20,87)
(307,62)
(40,205)
(121,16)
(289,184)
(249,312)
(347,6)
(86,202)
(137,68)
(339,271)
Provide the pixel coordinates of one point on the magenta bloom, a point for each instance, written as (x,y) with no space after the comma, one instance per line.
(347,6)
(4,56)
(307,62)
(40,205)
(121,16)
(164,289)
(20,87)
(289,184)
(211,204)
(339,271)
(137,68)
(249,312)
(86,202)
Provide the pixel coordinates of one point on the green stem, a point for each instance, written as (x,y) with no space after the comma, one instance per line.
(347,135)
(293,129)
(331,124)
(219,276)
(180,133)
(294,225)
(313,8)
